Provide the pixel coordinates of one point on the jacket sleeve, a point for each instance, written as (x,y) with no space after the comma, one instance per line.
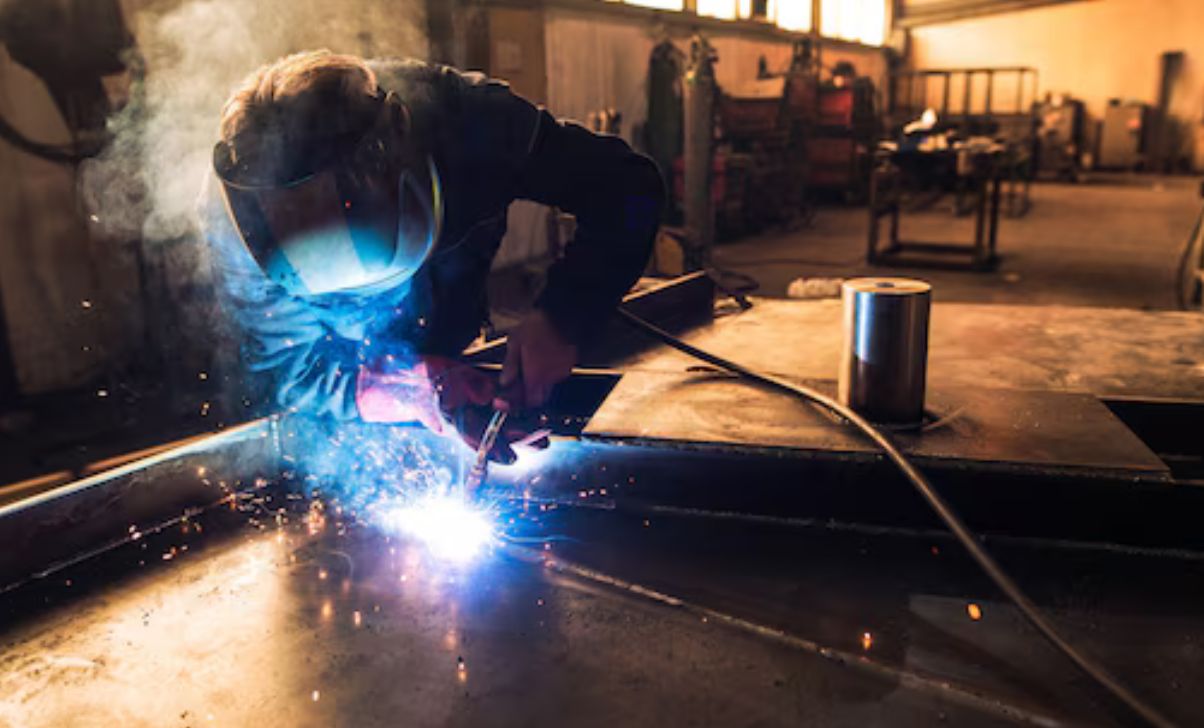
(309,368)
(616,195)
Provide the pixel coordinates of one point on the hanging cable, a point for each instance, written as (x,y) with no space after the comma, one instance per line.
(946,513)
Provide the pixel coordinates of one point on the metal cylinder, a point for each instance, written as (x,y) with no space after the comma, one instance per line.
(884,360)
(698,146)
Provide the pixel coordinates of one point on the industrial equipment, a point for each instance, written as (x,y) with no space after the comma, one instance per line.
(977,169)
(1124,137)
(995,103)
(884,357)
(1061,137)
(840,145)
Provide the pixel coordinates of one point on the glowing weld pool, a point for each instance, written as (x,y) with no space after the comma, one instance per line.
(450,528)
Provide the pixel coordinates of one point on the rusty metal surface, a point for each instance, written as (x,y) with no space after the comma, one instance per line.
(279,625)
(1047,431)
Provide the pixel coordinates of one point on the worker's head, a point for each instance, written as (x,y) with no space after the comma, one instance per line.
(323,179)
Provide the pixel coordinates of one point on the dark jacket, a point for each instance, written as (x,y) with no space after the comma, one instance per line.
(491,147)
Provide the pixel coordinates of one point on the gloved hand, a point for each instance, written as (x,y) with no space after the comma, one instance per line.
(426,392)
(538,357)
(445,396)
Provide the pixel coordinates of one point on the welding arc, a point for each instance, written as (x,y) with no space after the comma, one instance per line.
(954,522)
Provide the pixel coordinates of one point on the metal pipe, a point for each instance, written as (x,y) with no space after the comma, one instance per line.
(885,354)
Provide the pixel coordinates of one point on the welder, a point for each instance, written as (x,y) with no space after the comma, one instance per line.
(356,210)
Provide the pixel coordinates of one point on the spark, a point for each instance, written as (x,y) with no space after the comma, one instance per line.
(867,641)
(451,529)
(974,611)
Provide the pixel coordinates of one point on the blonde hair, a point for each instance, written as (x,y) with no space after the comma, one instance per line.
(295,103)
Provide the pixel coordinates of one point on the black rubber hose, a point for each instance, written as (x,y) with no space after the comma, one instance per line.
(60,154)
(934,499)
(1191,258)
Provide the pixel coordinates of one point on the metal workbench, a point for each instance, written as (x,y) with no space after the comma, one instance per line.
(688,552)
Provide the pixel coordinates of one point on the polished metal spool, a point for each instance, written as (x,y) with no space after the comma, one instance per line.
(884,361)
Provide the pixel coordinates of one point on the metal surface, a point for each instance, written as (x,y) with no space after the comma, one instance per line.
(675,304)
(43,532)
(621,621)
(698,92)
(1044,432)
(1107,352)
(884,361)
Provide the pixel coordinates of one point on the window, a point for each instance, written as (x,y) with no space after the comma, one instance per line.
(723,9)
(659,4)
(863,21)
(794,15)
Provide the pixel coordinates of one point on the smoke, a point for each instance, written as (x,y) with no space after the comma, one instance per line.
(189,56)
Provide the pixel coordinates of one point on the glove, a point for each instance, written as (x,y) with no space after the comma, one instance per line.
(445,396)
(538,357)
(427,392)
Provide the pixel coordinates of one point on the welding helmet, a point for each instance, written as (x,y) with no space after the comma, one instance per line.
(360,212)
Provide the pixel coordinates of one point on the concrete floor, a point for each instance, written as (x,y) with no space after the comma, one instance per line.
(1112,242)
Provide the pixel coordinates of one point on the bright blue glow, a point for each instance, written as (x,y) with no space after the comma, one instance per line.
(402,480)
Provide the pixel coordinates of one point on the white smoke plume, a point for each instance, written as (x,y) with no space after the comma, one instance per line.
(189,56)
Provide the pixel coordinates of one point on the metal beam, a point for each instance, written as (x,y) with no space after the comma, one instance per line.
(932,13)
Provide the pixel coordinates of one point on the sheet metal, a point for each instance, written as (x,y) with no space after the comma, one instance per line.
(41,533)
(1015,429)
(290,625)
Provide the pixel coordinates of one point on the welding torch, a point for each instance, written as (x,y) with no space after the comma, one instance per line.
(480,465)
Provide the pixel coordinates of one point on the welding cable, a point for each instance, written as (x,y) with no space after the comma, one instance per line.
(1190,260)
(59,153)
(954,522)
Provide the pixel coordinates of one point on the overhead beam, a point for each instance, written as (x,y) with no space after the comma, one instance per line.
(915,13)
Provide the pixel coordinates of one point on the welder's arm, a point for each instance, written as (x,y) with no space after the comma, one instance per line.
(308,369)
(616,195)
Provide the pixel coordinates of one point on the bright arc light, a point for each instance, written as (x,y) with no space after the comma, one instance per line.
(450,528)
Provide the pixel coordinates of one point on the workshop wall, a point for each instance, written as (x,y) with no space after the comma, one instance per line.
(1093,50)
